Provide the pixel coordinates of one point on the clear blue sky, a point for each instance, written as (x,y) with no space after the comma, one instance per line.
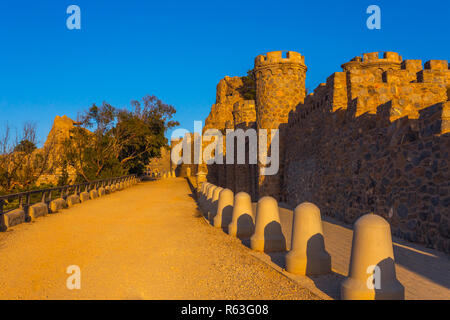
(179,50)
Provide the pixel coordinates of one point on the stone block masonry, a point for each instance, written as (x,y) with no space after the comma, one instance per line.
(372,138)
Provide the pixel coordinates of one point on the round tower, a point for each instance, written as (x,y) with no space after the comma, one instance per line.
(280,87)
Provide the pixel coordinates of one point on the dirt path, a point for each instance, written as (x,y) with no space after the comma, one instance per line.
(145,242)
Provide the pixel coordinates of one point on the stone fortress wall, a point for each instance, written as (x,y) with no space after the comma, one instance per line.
(373,138)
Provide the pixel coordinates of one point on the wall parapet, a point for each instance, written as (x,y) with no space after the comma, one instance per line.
(276,57)
(373,137)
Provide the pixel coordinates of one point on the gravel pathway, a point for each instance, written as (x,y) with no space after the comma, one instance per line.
(145,242)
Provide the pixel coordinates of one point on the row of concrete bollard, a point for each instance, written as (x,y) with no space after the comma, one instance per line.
(372,268)
(168,174)
(39,209)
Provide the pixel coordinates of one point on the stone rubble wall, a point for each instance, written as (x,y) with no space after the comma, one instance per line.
(372,138)
(221,118)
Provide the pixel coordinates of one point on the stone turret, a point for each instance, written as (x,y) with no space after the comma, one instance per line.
(280,87)
(390,60)
(405,85)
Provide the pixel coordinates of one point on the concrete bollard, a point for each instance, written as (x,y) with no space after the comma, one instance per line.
(371,273)
(213,206)
(57,205)
(93,194)
(13,218)
(308,255)
(37,210)
(101,192)
(242,224)
(209,194)
(224,209)
(72,200)
(84,196)
(268,236)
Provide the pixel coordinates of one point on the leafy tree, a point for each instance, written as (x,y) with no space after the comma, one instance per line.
(141,132)
(64,177)
(248,88)
(111,142)
(25,146)
(21,163)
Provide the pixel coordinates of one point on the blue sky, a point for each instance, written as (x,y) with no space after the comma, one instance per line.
(179,50)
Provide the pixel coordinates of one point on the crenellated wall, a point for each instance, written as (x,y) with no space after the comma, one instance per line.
(280,87)
(372,138)
(221,117)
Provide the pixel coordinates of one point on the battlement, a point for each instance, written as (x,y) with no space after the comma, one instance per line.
(276,57)
(372,60)
(437,65)
(387,57)
(412,65)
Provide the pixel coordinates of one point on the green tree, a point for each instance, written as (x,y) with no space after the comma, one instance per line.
(90,150)
(248,88)
(141,132)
